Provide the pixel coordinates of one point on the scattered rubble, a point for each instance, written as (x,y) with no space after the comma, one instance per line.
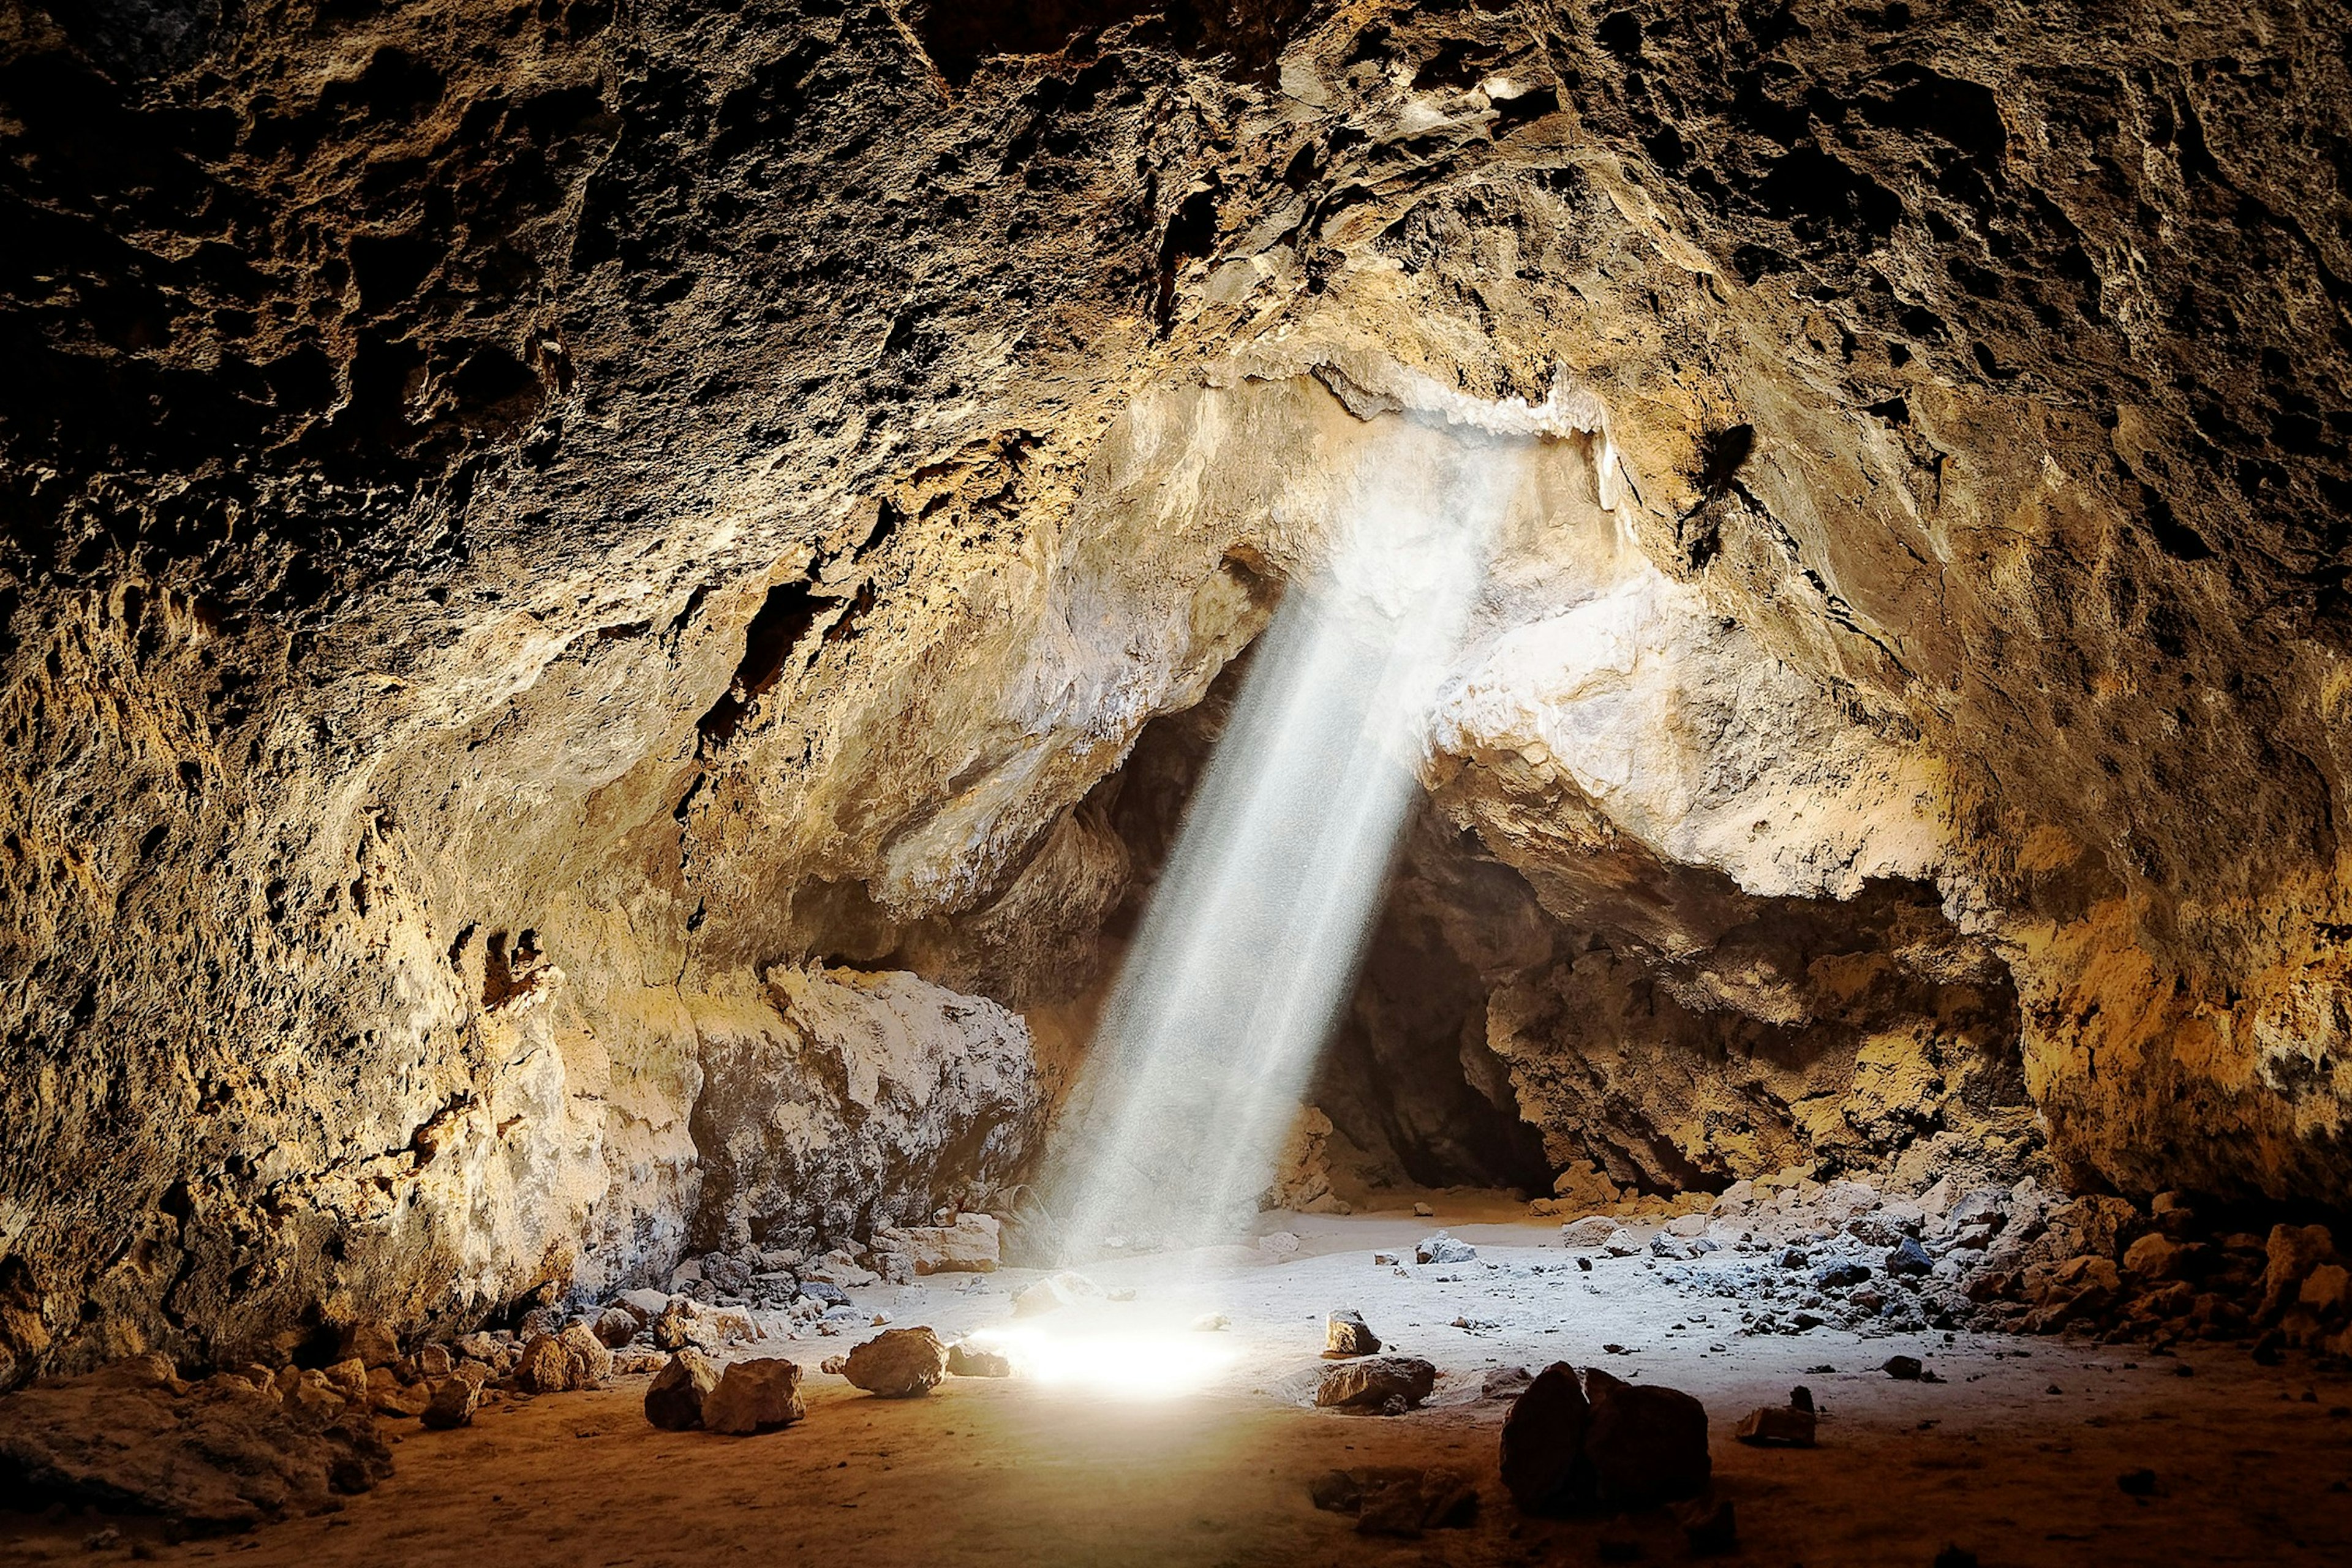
(971,1244)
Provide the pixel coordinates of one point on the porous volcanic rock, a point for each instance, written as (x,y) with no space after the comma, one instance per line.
(600,632)
(218,1455)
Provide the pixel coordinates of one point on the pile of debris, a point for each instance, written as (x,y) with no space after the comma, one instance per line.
(1798,1254)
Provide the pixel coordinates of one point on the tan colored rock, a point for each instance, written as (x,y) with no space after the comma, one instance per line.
(546,1366)
(372,1344)
(2291,1255)
(898,1363)
(675,1398)
(755,1396)
(591,1364)
(349,1378)
(1377,1384)
(387,1396)
(971,1245)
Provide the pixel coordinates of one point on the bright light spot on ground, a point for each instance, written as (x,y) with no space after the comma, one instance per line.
(1126,1364)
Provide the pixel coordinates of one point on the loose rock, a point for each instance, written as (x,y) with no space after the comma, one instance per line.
(756,1395)
(1372,1383)
(898,1363)
(1345,1333)
(675,1398)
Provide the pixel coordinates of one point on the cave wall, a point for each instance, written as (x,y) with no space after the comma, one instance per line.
(669,495)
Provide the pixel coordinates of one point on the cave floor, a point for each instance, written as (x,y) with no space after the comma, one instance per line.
(2015,1457)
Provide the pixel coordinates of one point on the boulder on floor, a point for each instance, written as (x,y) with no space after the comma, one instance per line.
(454,1401)
(545,1367)
(1441,1248)
(1573,1443)
(1345,1333)
(756,1395)
(1375,1382)
(674,1399)
(898,1363)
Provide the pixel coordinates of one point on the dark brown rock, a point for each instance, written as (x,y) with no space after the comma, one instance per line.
(1646,1445)
(1544,1467)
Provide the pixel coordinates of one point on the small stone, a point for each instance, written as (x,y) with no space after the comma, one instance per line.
(1901,1368)
(898,1363)
(1371,1382)
(674,1399)
(478,1347)
(833,1365)
(1384,1260)
(1345,1333)
(1841,1274)
(1777,1426)
(755,1396)
(1441,1248)
(616,1326)
(1423,1211)
(1211,1323)
(1279,1244)
(966,1360)
(1505,1382)
(434,1363)
(1622,1243)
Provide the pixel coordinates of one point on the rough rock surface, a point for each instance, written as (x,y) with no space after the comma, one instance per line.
(675,1398)
(1377,1383)
(216,1455)
(755,1396)
(898,1363)
(576,610)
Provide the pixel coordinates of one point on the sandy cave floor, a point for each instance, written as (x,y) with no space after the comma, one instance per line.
(2015,1457)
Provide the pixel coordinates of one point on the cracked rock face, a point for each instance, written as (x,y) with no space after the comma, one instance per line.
(610,609)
